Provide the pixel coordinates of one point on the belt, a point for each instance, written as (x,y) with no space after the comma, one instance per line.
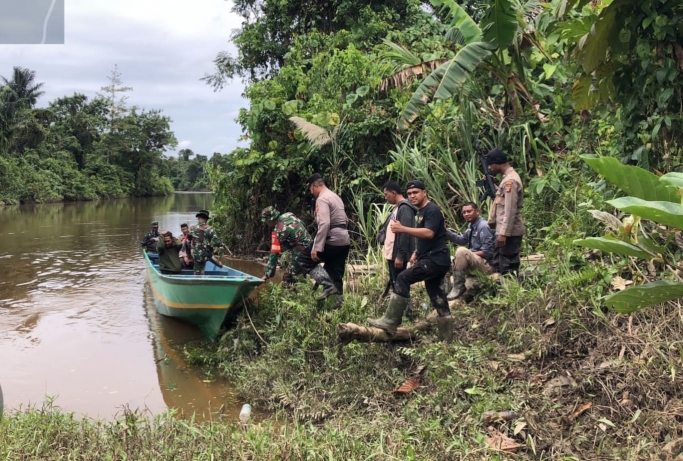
(337,226)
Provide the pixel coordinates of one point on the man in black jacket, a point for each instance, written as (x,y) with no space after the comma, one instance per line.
(398,248)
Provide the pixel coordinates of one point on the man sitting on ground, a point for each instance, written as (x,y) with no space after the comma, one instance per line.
(168,249)
(479,238)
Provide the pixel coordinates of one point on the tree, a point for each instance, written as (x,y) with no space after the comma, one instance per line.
(115,97)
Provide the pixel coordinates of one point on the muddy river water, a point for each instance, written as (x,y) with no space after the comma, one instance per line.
(77,317)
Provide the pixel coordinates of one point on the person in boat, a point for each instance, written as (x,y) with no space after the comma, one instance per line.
(430,261)
(331,244)
(479,238)
(149,243)
(186,247)
(205,242)
(289,233)
(168,249)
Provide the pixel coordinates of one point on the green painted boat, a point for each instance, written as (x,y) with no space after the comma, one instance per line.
(202,300)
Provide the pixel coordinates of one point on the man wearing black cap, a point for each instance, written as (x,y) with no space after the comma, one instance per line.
(430,263)
(505,214)
(331,244)
(204,242)
(149,243)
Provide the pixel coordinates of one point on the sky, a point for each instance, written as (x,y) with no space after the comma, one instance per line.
(161,48)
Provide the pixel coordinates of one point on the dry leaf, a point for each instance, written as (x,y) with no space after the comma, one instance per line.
(489,416)
(538,379)
(580,410)
(419,369)
(516,373)
(619,284)
(500,441)
(516,357)
(555,385)
(549,322)
(519,427)
(408,386)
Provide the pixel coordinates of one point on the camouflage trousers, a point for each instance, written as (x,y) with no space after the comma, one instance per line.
(293,269)
(201,255)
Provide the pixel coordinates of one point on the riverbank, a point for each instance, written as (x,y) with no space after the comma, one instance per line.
(578,382)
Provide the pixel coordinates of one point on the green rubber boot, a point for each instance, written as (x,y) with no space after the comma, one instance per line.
(393,316)
(458,285)
(445,327)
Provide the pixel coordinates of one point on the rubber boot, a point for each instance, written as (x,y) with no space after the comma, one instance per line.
(458,285)
(410,314)
(445,327)
(393,316)
(339,301)
(323,278)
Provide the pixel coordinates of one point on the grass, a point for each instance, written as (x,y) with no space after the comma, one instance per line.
(583,383)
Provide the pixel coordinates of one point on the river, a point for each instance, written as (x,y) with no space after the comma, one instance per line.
(77,317)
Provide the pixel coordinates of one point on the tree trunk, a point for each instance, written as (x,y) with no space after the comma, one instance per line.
(349,332)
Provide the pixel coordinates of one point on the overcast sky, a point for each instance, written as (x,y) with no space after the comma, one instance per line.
(162,49)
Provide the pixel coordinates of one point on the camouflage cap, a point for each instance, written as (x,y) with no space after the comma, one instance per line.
(269,213)
(155,223)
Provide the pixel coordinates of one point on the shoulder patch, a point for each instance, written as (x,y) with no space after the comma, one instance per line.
(508,186)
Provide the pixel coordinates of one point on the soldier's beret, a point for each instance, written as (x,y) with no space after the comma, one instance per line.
(269,213)
(313,178)
(203,214)
(496,157)
(155,223)
(416,184)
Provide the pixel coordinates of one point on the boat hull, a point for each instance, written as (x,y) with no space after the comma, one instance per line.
(202,300)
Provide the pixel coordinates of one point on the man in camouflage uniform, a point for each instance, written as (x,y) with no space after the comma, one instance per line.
(289,233)
(149,243)
(505,214)
(204,242)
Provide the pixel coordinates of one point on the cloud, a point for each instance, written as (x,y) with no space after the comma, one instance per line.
(162,49)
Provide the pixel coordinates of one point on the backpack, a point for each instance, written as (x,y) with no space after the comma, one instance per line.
(382,237)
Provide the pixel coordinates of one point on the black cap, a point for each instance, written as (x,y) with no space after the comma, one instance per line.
(313,178)
(183,225)
(203,214)
(496,157)
(416,184)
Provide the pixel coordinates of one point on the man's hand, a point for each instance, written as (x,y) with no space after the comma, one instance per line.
(396,227)
(413,258)
(398,263)
(314,255)
(501,240)
(264,278)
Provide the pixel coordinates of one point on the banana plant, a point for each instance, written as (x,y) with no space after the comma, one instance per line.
(652,198)
(504,24)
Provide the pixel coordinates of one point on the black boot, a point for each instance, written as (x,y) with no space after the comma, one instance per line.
(323,278)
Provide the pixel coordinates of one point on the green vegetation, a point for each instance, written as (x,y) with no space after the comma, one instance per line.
(83,149)
(586,97)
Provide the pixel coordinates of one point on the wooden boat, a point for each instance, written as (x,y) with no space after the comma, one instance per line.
(202,300)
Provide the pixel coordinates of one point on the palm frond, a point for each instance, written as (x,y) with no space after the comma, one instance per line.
(316,135)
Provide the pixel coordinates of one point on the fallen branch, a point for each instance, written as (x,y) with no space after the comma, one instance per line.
(349,332)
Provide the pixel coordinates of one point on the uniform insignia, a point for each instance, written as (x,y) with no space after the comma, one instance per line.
(499,199)
(508,186)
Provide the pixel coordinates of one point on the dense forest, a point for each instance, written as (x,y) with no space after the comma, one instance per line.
(367,91)
(78,148)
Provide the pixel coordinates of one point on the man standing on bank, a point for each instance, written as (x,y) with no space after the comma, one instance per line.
(331,244)
(505,214)
(398,248)
(479,238)
(430,263)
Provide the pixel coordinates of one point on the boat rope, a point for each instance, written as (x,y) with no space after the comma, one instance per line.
(246,309)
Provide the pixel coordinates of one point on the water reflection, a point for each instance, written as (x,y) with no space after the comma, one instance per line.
(76,319)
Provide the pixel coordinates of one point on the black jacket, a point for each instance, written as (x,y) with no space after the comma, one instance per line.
(404,244)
